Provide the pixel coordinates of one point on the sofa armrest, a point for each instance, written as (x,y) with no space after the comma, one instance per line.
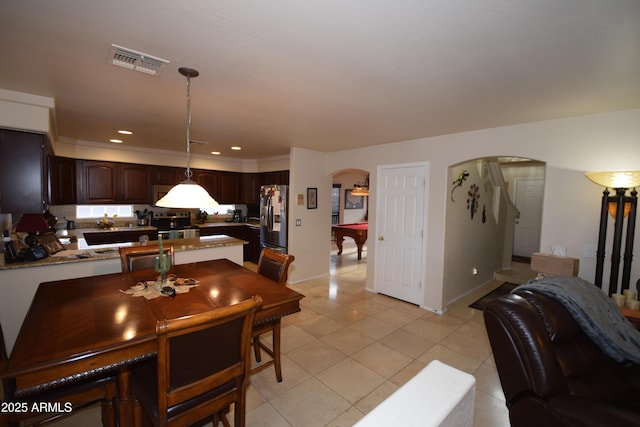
(572,410)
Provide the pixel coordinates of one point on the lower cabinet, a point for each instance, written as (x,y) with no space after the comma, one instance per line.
(107,237)
(252,250)
(249,233)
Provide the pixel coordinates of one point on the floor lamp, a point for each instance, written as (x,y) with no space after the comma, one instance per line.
(619,206)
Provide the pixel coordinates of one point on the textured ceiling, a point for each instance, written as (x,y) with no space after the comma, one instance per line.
(323,74)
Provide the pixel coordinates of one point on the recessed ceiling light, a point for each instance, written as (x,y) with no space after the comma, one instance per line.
(125,132)
(116,141)
(236,148)
(215,153)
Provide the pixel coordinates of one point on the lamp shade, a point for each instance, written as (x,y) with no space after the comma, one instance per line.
(615,179)
(187,195)
(32,223)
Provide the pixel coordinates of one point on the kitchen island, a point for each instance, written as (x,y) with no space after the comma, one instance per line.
(19,281)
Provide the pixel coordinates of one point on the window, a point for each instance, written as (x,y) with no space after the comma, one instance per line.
(222,209)
(98,211)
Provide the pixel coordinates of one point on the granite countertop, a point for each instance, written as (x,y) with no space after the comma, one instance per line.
(73,253)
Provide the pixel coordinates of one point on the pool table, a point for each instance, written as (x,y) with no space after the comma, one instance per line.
(357,231)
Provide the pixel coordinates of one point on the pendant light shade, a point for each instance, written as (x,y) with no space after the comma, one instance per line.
(187,194)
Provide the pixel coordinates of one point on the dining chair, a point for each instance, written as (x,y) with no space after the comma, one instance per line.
(275,266)
(202,367)
(141,257)
(75,395)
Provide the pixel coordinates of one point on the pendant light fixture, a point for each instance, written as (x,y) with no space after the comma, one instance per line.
(187,194)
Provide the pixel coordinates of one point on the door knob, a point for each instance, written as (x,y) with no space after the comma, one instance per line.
(381,238)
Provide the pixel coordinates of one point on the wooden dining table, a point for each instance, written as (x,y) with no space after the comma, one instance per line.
(82,327)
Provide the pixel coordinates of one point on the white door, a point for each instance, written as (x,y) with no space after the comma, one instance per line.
(526,239)
(400,232)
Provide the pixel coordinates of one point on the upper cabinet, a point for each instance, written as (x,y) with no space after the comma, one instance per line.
(277,177)
(23,172)
(168,175)
(62,181)
(249,189)
(97,182)
(74,181)
(134,183)
(110,182)
(229,183)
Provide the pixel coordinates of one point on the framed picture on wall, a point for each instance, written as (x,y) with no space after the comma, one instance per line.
(351,201)
(312,198)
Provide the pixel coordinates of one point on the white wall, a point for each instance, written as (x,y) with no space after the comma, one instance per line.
(23,111)
(310,242)
(570,147)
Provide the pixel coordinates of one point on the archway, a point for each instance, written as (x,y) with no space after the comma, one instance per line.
(481,216)
(348,208)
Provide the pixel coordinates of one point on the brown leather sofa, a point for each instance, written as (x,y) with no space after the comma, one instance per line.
(551,373)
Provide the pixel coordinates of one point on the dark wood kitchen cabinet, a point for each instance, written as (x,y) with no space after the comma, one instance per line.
(23,171)
(104,182)
(168,175)
(110,182)
(252,249)
(249,233)
(134,183)
(276,177)
(229,183)
(62,181)
(97,182)
(209,180)
(249,189)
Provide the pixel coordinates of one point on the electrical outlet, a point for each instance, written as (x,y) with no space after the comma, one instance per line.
(298,222)
(474,271)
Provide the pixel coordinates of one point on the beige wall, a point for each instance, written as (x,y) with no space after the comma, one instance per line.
(121,153)
(472,243)
(27,112)
(570,147)
(310,242)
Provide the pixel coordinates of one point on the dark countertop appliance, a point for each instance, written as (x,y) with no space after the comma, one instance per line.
(171,220)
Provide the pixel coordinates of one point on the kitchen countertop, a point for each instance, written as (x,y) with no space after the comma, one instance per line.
(73,253)
(151,228)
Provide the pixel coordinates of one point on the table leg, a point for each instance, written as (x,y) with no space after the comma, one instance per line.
(360,244)
(339,240)
(126,402)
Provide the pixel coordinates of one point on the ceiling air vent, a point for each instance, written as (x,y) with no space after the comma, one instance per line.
(138,61)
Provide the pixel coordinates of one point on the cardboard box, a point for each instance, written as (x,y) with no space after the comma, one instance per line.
(556,265)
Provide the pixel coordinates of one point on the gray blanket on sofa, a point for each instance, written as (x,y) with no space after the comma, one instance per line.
(597,314)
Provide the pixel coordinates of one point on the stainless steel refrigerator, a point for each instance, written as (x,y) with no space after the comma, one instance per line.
(273,217)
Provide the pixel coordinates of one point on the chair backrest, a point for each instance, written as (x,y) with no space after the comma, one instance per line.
(141,257)
(274,265)
(187,369)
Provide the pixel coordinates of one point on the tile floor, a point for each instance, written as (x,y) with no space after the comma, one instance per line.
(349,349)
